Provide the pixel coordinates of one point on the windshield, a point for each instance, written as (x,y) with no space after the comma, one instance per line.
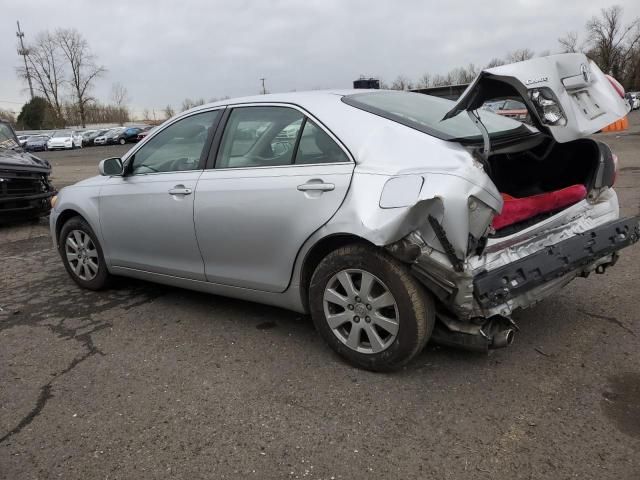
(37,138)
(425,113)
(61,134)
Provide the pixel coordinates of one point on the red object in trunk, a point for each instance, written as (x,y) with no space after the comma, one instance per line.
(519,209)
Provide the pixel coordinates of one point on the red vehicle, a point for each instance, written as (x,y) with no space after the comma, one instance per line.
(143,134)
(512,109)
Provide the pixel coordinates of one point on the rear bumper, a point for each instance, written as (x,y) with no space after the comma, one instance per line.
(495,287)
(522,269)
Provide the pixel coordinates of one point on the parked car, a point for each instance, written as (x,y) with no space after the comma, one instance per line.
(22,139)
(36,143)
(108,136)
(128,135)
(87,138)
(144,132)
(65,139)
(391,217)
(512,109)
(634,100)
(25,189)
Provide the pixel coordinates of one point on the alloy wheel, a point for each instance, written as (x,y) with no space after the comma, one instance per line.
(361,311)
(82,255)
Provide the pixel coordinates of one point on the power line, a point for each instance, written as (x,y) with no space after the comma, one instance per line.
(24,52)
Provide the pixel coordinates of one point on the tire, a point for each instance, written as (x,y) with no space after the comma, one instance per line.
(122,141)
(413,311)
(97,278)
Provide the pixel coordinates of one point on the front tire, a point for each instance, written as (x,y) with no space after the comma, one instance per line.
(369,309)
(82,255)
(122,141)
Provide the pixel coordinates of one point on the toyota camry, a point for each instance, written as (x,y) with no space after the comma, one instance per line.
(390,217)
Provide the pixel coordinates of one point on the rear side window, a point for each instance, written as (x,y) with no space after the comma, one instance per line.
(425,113)
(317,147)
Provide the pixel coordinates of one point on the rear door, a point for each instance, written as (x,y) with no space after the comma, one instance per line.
(277,177)
(567,95)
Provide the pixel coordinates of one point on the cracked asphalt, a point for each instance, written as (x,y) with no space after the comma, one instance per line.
(145,381)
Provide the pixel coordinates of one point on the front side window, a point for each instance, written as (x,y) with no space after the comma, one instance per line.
(259,137)
(177,147)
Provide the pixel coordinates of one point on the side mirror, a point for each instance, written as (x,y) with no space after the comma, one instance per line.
(111,167)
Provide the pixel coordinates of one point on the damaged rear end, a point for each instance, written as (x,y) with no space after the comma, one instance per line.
(540,212)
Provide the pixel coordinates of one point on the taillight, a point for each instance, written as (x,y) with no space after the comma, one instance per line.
(616,85)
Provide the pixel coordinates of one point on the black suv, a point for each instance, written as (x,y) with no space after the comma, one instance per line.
(25,189)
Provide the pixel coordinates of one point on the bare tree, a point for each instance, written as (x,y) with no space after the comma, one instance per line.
(440,81)
(424,81)
(82,66)
(612,44)
(401,83)
(169,111)
(120,99)
(569,43)
(495,62)
(7,116)
(46,68)
(145,114)
(187,103)
(520,55)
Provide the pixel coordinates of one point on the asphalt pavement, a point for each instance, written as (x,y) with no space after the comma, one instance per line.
(145,381)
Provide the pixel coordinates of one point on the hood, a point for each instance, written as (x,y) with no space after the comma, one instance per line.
(19,160)
(567,95)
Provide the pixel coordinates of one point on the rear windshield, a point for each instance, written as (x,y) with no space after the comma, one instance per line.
(425,112)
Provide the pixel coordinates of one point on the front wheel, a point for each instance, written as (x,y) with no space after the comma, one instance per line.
(369,309)
(82,255)
(122,141)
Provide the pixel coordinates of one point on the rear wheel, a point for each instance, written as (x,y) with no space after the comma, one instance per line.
(369,309)
(122,141)
(82,255)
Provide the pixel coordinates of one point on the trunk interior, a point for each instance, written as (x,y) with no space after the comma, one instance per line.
(539,182)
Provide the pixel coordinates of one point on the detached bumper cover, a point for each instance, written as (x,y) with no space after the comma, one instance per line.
(492,288)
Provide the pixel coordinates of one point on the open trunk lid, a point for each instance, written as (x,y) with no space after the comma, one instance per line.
(567,95)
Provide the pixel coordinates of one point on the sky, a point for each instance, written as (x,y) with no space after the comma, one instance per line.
(164,51)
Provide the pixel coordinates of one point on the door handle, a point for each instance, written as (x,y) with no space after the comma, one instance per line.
(180,190)
(316,186)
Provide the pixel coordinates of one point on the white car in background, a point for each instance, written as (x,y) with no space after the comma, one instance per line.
(65,140)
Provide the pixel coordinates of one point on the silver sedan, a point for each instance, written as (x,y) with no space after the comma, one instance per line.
(390,217)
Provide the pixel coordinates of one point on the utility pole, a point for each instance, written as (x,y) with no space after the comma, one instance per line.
(264,90)
(24,52)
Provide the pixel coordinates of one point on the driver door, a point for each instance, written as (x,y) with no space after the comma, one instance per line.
(146,216)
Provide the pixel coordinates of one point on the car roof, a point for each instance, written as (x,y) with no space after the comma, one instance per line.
(353,127)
